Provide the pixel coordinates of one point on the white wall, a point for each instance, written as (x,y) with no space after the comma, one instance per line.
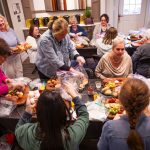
(18,25)
(39,5)
(102,7)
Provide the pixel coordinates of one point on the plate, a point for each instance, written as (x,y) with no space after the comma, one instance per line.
(114,107)
(19,101)
(133,38)
(112,86)
(20,48)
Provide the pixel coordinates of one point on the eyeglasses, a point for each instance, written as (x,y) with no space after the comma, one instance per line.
(103,20)
(122,49)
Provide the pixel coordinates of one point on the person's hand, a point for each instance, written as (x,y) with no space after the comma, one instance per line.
(18,85)
(9,80)
(80,60)
(70,89)
(30,105)
(79,33)
(80,74)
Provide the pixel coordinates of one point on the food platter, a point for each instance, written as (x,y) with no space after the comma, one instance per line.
(112,86)
(134,37)
(20,48)
(17,96)
(114,107)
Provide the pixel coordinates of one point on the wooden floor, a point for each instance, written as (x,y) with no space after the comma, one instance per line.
(28,70)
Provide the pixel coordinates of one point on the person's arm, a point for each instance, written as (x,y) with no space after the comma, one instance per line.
(131,66)
(3,85)
(135,58)
(103,143)
(18,41)
(31,40)
(78,130)
(46,46)
(3,89)
(96,31)
(99,68)
(25,118)
(27,115)
(81,31)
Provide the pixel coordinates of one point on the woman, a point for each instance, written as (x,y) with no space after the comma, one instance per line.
(131,131)
(32,39)
(52,130)
(55,50)
(13,65)
(100,29)
(6,84)
(105,44)
(141,57)
(76,30)
(115,63)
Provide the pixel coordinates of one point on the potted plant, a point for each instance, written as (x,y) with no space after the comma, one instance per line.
(87,14)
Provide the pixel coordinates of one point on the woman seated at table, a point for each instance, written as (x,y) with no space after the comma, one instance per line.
(141,57)
(32,39)
(6,84)
(115,63)
(105,44)
(100,29)
(76,30)
(130,131)
(52,130)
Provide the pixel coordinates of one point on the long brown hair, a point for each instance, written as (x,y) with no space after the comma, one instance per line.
(111,33)
(52,118)
(134,96)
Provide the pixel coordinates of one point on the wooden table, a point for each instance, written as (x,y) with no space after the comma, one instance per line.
(87,51)
(93,131)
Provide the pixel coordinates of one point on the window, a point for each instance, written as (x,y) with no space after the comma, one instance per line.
(132,7)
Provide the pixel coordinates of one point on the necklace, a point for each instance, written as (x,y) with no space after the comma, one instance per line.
(116,60)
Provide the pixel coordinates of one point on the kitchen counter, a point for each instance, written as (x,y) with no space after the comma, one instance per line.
(89,28)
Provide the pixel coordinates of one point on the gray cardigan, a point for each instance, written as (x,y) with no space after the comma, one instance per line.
(51,54)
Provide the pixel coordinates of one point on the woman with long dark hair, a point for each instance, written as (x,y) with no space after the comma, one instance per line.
(52,130)
(131,131)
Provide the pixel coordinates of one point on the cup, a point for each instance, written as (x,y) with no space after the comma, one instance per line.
(98,85)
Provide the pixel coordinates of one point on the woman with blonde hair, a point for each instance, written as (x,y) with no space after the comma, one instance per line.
(13,65)
(116,62)
(55,50)
(130,131)
(105,44)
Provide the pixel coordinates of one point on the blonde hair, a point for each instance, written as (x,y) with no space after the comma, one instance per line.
(6,23)
(72,18)
(58,26)
(117,41)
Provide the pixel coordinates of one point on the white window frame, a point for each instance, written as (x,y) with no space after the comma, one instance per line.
(121,9)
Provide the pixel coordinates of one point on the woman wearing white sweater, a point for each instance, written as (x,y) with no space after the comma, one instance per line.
(32,40)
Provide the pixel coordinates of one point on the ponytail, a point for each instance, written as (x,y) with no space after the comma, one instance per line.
(134,96)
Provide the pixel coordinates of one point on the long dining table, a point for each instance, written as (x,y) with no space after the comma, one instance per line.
(93,132)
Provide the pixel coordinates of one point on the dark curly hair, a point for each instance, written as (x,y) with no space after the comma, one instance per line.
(134,96)
(105,16)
